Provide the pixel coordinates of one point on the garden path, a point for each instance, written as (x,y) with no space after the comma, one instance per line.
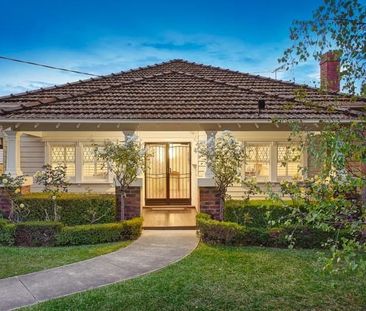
(154,250)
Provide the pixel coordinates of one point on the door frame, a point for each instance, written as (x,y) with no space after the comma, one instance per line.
(167,200)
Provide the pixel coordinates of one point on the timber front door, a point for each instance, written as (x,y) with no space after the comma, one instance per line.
(168,174)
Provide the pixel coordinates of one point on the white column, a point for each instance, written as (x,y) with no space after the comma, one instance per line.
(211,136)
(78,163)
(273,162)
(13,153)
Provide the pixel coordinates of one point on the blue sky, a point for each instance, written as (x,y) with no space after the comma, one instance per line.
(109,36)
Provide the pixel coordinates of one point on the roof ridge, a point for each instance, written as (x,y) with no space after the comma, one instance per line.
(113,74)
(275,80)
(117,74)
(240,87)
(231,84)
(63,97)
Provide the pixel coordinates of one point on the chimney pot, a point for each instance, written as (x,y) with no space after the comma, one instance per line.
(330,71)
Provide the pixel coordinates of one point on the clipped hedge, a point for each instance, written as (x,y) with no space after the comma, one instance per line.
(253,213)
(131,229)
(212,231)
(37,233)
(100,233)
(7,233)
(75,209)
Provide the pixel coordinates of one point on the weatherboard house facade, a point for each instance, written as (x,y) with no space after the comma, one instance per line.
(170,106)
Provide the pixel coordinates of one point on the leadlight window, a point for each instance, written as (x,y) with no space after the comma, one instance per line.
(93,168)
(64,155)
(257,161)
(288,161)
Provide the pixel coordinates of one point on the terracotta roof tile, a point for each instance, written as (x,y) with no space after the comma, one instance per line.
(176,90)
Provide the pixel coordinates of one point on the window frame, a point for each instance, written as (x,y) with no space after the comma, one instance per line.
(260,179)
(48,159)
(79,178)
(86,179)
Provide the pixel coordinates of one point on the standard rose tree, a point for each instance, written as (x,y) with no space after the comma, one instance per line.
(125,160)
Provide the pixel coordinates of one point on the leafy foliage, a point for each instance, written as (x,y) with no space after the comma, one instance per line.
(331,200)
(231,233)
(101,233)
(73,208)
(7,233)
(253,213)
(224,156)
(125,160)
(37,233)
(54,181)
(336,25)
(12,187)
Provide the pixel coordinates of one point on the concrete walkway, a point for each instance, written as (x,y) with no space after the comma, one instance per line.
(154,250)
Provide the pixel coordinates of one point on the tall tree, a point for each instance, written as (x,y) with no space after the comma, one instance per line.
(336,25)
(331,200)
(124,160)
(225,157)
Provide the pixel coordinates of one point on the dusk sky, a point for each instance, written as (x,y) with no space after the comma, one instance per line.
(109,36)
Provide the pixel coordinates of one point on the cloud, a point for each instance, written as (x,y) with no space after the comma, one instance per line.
(122,53)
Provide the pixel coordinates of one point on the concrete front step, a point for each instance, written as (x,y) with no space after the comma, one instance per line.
(169,216)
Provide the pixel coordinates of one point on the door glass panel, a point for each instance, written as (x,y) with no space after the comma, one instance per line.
(156,172)
(179,171)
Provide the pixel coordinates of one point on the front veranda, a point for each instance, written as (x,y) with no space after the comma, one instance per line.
(176,185)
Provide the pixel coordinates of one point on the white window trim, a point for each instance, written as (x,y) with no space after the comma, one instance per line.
(48,159)
(273,159)
(107,180)
(79,179)
(269,143)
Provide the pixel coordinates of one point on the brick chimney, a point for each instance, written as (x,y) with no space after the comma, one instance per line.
(330,71)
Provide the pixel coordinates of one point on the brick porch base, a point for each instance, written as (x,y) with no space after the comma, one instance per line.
(210,202)
(132,203)
(5,202)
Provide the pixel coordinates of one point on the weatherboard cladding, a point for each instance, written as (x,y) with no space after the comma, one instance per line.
(175,90)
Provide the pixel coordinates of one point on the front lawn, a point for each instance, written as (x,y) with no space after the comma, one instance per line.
(228,278)
(21,260)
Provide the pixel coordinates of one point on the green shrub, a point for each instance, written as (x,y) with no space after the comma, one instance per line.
(75,209)
(253,213)
(254,236)
(3,222)
(213,231)
(7,234)
(131,229)
(37,233)
(100,233)
(89,234)
(304,237)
